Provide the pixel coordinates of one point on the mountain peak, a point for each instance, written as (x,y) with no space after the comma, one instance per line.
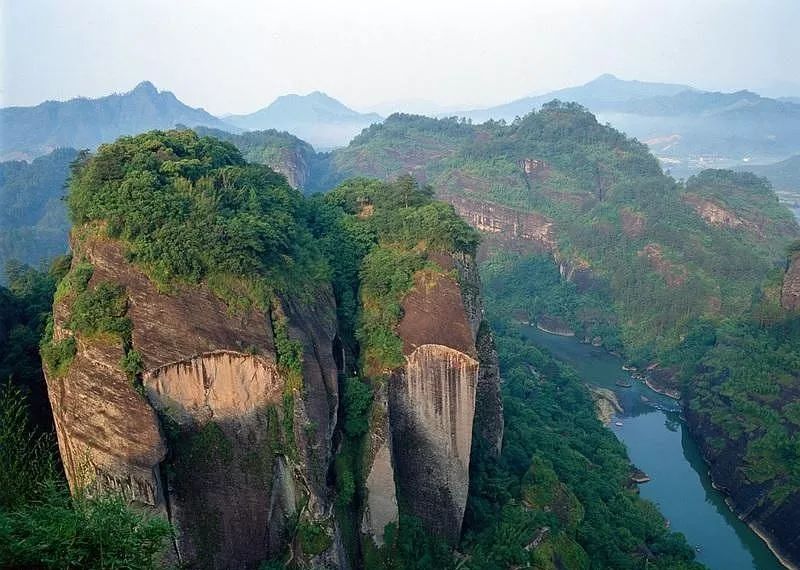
(145,87)
(605,77)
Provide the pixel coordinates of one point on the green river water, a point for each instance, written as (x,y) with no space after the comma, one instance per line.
(659,444)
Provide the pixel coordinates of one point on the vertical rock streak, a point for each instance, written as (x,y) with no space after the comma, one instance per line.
(440,388)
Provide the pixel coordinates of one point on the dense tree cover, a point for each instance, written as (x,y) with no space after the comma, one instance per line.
(33,218)
(24,309)
(377,237)
(281,151)
(609,201)
(190,208)
(527,287)
(741,378)
(562,482)
(399,145)
(392,227)
(42,526)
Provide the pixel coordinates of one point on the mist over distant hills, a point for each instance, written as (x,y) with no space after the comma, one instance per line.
(317,118)
(598,93)
(688,129)
(28,132)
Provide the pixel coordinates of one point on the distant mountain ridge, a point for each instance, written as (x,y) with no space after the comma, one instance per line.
(687,128)
(784,175)
(317,118)
(28,132)
(604,90)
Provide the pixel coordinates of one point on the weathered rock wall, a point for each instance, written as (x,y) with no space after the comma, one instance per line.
(431,411)
(218,442)
(426,416)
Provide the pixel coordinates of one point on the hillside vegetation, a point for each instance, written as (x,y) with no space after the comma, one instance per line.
(33,217)
(189,209)
(668,253)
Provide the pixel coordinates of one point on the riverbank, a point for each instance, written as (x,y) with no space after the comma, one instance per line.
(554,325)
(606,404)
(669,393)
(774,549)
(662,446)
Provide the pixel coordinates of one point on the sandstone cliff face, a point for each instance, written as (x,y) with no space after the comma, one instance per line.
(427,415)
(506,229)
(716,215)
(293,164)
(790,292)
(218,441)
(522,228)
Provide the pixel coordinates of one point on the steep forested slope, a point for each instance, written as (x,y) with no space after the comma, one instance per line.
(33,218)
(281,151)
(669,253)
(676,276)
(181,252)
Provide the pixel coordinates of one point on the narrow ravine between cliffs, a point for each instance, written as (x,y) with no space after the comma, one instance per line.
(658,443)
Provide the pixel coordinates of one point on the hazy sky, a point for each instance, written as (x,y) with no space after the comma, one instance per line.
(237,56)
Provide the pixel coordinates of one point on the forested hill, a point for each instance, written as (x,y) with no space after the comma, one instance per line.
(167,222)
(682,277)
(664,253)
(33,219)
(690,129)
(280,150)
(29,132)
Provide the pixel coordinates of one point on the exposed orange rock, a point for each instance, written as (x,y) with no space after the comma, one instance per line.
(716,215)
(674,274)
(790,292)
(506,222)
(423,424)
(108,435)
(633,223)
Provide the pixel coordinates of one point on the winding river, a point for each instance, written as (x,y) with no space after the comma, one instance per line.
(658,443)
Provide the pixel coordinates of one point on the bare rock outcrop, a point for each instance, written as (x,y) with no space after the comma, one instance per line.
(506,224)
(790,291)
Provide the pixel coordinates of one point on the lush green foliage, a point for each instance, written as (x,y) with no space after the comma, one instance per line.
(527,287)
(33,219)
(561,469)
(313,538)
(281,151)
(191,209)
(387,231)
(742,379)
(608,200)
(24,310)
(101,309)
(41,526)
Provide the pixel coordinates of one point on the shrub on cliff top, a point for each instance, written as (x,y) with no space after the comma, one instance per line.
(190,208)
(393,226)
